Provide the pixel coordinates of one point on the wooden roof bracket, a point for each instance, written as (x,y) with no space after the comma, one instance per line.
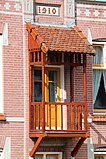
(36,146)
(78,146)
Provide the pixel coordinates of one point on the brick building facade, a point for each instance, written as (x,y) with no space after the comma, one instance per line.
(90,17)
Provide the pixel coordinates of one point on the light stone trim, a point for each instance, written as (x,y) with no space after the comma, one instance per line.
(87,12)
(11,13)
(17,7)
(70,8)
(91,6)
(28,18)
(14,119)
(18,1)
(5,34)
(69,12)
(28,6)
(7,6)
(6,154)
(79,11)
(91,19)
(104,13)
(96,13)
(89,36)
(90,148)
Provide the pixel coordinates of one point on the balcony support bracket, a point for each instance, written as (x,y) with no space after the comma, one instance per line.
(36,145)
(78,146)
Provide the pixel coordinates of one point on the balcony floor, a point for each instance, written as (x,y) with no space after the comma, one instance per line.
(58,134)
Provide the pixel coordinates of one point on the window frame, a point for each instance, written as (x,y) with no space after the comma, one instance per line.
(1,75)
(100,154)
(44,154)
(47,81)
(100,66)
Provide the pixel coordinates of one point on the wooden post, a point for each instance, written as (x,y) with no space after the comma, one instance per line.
(43,91)
(85,92)
(84,71)
(35,146)
(77,147)
(30,96)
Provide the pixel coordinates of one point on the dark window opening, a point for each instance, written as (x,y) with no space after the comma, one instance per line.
(100,102)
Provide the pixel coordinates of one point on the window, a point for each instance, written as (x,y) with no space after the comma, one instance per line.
(99,77)
(52,94)
(37,85)
(1,74)
(98,59)
(100,153)
(48,155)
(100,157)
(52,84)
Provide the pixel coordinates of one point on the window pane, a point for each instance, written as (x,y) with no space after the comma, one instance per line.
(98,59)
(39,157)
(37,75)
(100,101)
(52,75)
(52,92)
(99,157)
(51,157)
(37,92)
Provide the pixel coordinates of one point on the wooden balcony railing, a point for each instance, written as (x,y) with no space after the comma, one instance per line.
(58,117)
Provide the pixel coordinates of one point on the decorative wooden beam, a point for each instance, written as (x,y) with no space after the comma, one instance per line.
(36,146)
(83,135)
(43,90)
(78,146)
(85,92)
(84,72)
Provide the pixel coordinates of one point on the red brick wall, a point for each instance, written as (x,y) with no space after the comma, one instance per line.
(93,16)
(16,85)
(98,133)
(13,64)
(16,133)
(16,81)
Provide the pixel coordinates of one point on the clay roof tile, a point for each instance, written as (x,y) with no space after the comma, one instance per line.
(61,38)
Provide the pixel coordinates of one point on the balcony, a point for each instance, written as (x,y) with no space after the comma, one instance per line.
(58,117)
(57,46)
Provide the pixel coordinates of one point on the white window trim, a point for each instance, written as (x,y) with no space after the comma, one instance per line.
(62,91)
(102,154)
(47,153)
(90,148)
(1,76)
(104,54)
(6,153)
(5,34)
(104,64)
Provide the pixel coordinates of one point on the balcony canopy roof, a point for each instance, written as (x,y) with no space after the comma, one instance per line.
(62,39)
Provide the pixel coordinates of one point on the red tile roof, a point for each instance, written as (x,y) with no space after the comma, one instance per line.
(60,38)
